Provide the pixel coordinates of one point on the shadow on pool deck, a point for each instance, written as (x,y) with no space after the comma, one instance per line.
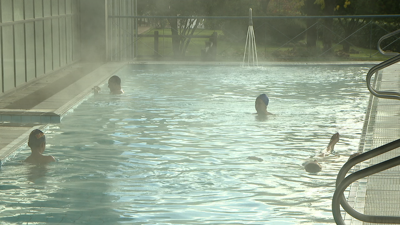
(45,100)
(50,89)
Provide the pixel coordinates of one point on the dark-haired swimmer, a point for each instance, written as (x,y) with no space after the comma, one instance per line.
(37,143)
(261,105)
(313,166)
(114,83)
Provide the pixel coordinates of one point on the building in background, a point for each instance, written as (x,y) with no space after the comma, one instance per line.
(39,37)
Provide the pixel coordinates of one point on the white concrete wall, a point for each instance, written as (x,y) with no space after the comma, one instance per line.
(36,38)
(120,31)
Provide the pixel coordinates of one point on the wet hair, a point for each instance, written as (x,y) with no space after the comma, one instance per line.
(115,79)
(312,167)
(36,138)
(264,98)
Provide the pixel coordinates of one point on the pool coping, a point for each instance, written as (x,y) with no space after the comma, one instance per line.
(357,190)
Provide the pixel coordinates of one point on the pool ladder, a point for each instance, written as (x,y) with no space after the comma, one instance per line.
(342,182)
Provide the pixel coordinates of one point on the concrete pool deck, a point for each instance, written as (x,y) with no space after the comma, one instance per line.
(379,194)
(47,99)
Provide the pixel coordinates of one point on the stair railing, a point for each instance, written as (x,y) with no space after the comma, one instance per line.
(343,182)
(375,70)
(385,37)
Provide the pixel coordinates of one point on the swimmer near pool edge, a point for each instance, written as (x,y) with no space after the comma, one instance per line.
(37,143)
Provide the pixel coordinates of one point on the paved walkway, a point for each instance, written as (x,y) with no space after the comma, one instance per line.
(46,100)
(379,194)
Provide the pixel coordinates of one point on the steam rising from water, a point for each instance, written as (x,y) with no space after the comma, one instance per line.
(173,149)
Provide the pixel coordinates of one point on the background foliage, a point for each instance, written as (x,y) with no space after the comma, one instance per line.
(317,38)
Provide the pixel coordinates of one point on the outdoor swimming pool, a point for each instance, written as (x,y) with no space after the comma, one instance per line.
(174,149)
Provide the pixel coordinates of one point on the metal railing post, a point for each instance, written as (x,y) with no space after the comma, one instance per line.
(342,183)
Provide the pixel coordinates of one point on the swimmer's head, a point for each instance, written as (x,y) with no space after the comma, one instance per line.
(114,80)
(37,139)
(114,83)
(312,166)
(261,104)
(264,98)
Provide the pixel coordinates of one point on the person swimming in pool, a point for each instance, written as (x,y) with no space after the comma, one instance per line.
(37,143)
(313,166)
(114,83)
(261,105)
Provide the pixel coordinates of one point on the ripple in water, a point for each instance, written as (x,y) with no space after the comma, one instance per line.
(174,149)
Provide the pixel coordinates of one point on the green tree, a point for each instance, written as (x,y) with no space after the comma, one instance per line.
(311,8)
(183,28)
(319,8)
(285,7)
(386,25)
(235,30)
(354,7)
(328,8)
(388,7)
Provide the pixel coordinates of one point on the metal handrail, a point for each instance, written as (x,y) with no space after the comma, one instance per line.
(374,70)
(382,65)
(342,183)
(385,37)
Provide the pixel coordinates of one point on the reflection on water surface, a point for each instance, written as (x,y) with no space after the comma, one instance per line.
(175,148)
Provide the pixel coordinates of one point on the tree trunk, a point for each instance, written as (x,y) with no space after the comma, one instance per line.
(264,5)
(192,28)
(175,36)
(311,33)
(350,27)
(327,40)
(311,9)
(346,44)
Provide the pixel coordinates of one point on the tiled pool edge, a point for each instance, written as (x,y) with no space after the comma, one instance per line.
(357,193)
(378,193)
(19,136)
(29,117)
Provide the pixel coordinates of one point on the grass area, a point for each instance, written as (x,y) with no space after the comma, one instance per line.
(227,51)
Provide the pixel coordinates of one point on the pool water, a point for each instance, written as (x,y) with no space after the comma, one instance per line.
(174,149)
